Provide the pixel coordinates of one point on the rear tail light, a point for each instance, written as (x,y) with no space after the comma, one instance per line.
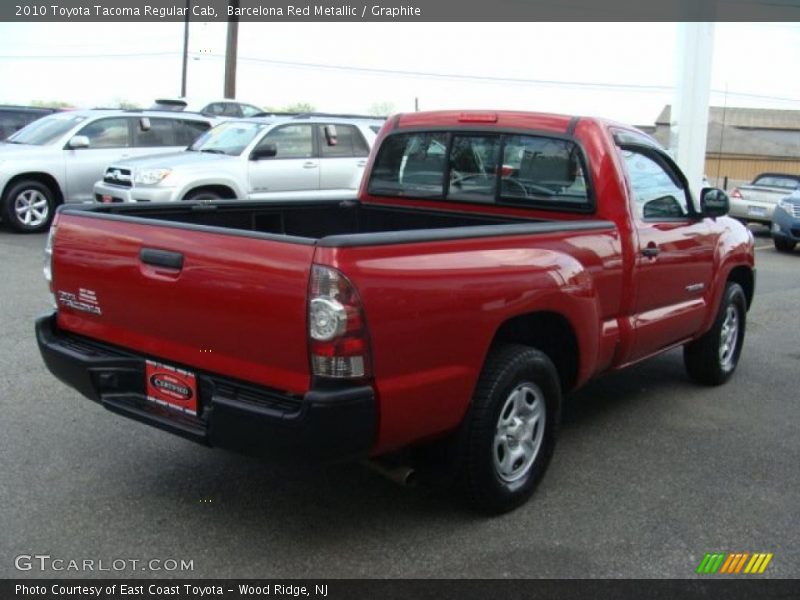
(337,331)
(48,258)
(736,193)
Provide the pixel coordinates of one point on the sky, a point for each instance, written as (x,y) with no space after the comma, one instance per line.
(622,71)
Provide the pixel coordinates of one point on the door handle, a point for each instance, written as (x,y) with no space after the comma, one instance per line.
(161,258)
(651,251)
(309,165)
(361,163)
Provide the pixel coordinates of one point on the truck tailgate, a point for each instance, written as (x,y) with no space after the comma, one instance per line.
(236,306)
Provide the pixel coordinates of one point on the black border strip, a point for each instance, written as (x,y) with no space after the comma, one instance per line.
(457,233)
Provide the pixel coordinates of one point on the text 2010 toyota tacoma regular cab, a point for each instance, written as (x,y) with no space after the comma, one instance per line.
(493,262)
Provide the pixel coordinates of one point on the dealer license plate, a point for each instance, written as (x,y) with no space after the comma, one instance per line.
(171,387)
(757,211)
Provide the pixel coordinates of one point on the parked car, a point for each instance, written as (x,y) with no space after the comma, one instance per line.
(754,203)
(225,107)
(786,223)
(58,158)
(493,263)
(298,157)
(14,118)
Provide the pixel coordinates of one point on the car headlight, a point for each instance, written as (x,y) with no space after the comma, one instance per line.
(787,206)
(150,176)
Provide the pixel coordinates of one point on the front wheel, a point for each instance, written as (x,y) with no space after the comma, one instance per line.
(29,206)
(511,428)
(712,359)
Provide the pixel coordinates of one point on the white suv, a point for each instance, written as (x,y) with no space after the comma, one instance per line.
(301,157)
(58,158)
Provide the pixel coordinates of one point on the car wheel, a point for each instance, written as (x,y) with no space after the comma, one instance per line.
(783,245)
(511,428)
(29,206)
(203,194)
(712,359)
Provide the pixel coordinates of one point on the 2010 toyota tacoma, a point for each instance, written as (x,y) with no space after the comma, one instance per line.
(493,262)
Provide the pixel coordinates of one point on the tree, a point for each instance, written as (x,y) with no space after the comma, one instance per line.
(51,103)
(381,109)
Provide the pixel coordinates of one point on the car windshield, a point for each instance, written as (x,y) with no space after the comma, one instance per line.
(46,130)
(229,138)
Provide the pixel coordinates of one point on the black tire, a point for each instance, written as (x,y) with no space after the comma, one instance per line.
(706,359)
(204,194)
(783,245)
(29,206)
(486,485)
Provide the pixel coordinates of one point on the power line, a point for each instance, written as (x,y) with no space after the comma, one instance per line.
(596,85)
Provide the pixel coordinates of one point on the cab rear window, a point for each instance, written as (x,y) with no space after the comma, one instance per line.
(489,168)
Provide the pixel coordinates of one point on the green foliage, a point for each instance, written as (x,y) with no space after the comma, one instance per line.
(382,109)
(51,103)
(294,107)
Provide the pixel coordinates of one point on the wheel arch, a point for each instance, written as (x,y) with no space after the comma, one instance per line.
(223,190)
(744,276)
(549,332)
(45,179)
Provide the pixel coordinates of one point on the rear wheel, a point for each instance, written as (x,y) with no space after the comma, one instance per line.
(511,428)
(29,206)
(783,245)
(712,359)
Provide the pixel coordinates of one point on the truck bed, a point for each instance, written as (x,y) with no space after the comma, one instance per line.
(329,222)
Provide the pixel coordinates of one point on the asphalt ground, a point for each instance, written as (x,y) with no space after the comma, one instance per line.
(650,473)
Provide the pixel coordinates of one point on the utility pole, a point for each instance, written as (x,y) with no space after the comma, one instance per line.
(185,49)
(231,48)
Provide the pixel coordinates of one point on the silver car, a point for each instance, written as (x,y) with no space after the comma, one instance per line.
(301,157)
(58,158)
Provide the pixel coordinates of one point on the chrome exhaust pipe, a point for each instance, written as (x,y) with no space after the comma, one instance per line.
(399,474)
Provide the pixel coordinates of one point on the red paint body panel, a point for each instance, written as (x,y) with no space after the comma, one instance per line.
(432,308)
(238,306)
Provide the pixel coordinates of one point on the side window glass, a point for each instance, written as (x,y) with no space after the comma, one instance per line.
(231,109)
(655,194)
(249,110)
(341,141)
(291,141)
(161,133)
(188,131)
(539,169)
(473,167)
(107,133)
(215,109)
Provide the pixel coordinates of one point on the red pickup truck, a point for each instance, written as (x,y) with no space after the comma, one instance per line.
(493,262)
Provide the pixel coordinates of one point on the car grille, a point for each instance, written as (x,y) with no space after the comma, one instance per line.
(118,177)
(795,212)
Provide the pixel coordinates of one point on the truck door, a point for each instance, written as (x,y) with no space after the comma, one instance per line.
(293,169)
(674,258)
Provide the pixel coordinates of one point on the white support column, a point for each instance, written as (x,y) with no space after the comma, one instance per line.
(689,118)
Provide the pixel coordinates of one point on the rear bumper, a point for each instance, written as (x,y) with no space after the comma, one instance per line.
(324,424)
(751,210)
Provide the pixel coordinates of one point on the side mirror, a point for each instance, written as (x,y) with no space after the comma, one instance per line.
(665,207)
(330,135)
(714,203)
(77,142)
(264,151)
(144,124)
